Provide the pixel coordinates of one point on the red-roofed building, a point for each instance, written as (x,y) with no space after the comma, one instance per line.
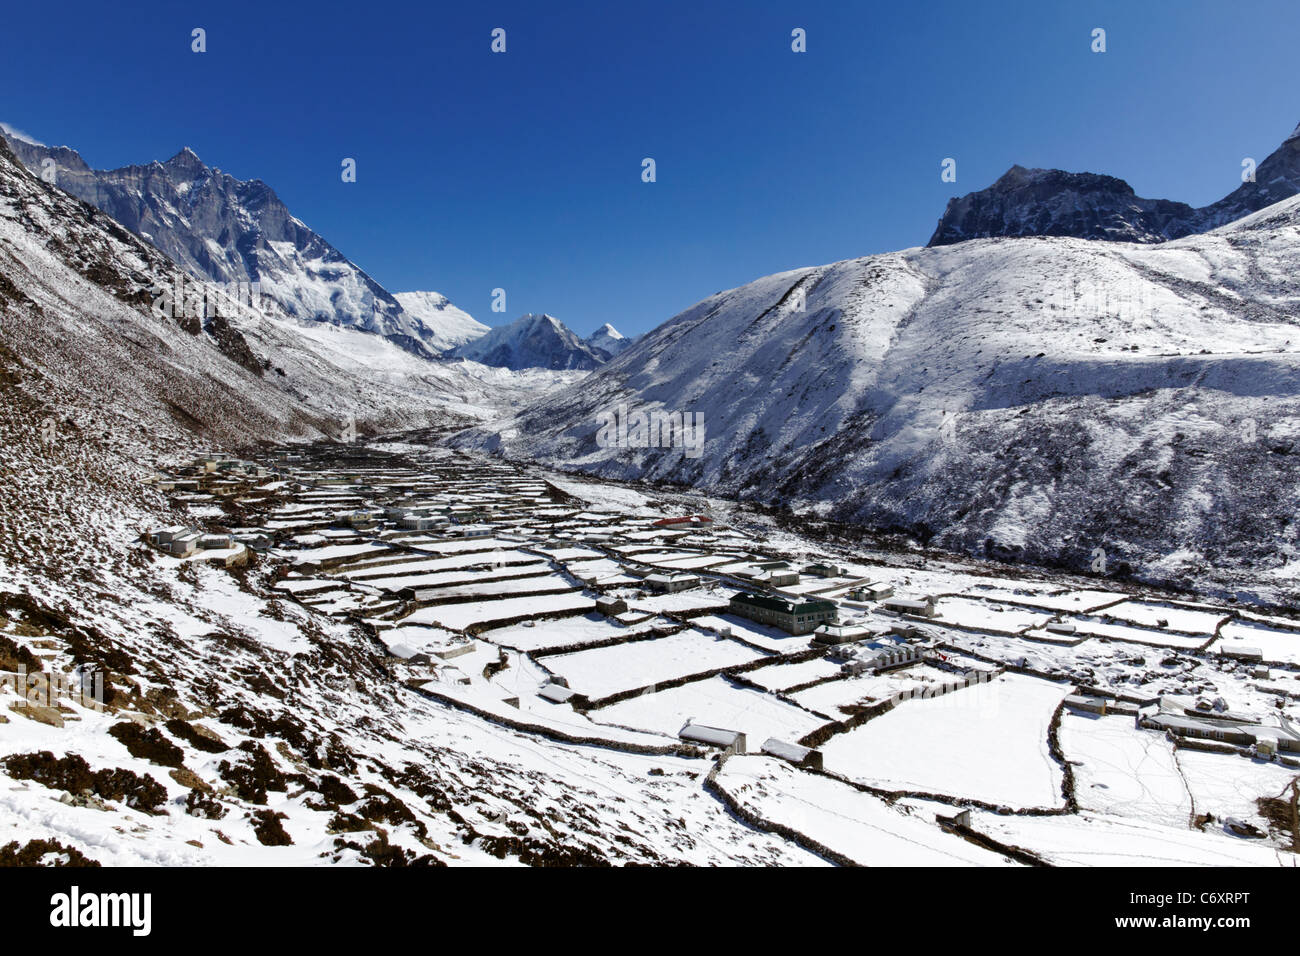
(689,519)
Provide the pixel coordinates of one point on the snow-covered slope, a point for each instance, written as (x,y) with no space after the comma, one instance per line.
(531,341)
(227,230)
(447,325)
(1029,398)
(1051,202)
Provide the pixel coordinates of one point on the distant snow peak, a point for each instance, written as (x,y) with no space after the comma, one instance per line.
(534,340)
(608,340)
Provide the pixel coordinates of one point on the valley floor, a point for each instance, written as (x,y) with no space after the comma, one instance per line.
(399,653)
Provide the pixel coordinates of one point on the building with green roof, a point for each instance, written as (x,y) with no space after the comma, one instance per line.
(794,617)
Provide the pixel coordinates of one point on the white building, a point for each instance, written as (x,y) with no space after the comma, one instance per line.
(729,741)
(795,754)
(840,633)
(672,583)
(917,607)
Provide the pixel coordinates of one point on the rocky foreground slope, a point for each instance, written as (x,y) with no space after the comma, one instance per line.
(1031,399)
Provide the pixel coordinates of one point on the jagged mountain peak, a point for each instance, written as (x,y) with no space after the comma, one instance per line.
(544,319)
(1018,177)
(608,341)
(226,230)
(186,158)
(1053,202)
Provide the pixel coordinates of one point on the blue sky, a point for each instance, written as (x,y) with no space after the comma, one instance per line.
(523,170)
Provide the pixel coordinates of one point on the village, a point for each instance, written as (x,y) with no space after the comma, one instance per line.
(579,612)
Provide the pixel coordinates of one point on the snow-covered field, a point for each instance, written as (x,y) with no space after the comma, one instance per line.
(783,676)
(990,615)
(715,702)
(1227,785)
(988,742)
(1125,772)
(603,671)
(562,632)
(1092,839)
(832,697)
(1176,618)
(1137,635)
(1275,645)
(493,586)
(859,826)
(457,617)
(681,601)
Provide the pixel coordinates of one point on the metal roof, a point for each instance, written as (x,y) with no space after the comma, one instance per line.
(784,750)
(716,736)
(556,693)
(782,606)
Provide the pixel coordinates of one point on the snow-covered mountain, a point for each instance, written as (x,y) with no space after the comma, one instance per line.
(448,326)
(91,311)
(228,230)
(1276,178)
(534,341)
(1029,398)
(1052,202)
(608,340)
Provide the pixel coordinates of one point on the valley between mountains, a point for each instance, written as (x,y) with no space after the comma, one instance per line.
(988,557)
